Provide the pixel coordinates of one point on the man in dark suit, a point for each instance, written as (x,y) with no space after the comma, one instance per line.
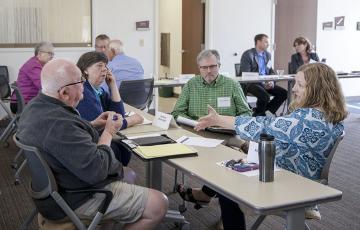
(258,60)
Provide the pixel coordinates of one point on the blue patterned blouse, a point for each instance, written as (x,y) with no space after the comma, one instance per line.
(303,138)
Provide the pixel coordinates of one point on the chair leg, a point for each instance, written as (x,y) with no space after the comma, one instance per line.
(307,226)
(258,221)
(29,220)
(14,164)
(175,180)
(17,173)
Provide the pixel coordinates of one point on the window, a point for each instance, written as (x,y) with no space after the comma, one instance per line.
(65,23)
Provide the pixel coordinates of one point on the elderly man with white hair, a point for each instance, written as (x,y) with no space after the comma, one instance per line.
(79,157)
(122,66)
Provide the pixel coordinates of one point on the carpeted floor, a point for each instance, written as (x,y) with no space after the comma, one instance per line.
(15,204)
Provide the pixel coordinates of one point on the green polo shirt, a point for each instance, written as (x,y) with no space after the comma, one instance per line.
(224,95)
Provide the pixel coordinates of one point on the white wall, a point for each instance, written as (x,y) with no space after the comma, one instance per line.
(114,17)
(340,47)
(170,21)
(233,25)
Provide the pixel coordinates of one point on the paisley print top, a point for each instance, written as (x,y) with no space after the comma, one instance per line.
(303,139)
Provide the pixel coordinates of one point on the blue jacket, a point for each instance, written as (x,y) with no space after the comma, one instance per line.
(90,107)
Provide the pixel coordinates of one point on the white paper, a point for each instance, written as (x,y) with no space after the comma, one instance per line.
(223,102)
(147,135)
(162,120)
(199,141)
(253,155)
(186,121)
(256,172)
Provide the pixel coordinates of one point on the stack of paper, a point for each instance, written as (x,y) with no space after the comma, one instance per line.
(166,150)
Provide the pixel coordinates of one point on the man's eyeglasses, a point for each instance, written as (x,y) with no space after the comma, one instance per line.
(78,82)
(48,52)
(211,67)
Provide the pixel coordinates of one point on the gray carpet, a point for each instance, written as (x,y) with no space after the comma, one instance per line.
(15,204)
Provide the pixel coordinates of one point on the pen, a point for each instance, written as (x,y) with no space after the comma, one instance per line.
(185,139)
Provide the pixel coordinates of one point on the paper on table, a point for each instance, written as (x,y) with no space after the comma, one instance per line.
(164,150)
(186,121)
(253,155)
(199,141)
(147,135)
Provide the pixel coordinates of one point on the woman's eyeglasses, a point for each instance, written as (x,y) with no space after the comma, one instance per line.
(74,83)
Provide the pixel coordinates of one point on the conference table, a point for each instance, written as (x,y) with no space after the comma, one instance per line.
(289,193)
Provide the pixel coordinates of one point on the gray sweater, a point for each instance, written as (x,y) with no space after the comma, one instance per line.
(69,146)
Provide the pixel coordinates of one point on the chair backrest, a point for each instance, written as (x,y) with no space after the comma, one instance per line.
(42,179)
(137,93)
(325,171)
(237,69)
(19,99)
(4,73)
(4,87)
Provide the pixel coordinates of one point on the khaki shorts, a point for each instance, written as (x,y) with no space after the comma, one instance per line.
(127,205)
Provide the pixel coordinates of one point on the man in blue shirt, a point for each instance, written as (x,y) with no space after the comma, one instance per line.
(122,66)
(258,60)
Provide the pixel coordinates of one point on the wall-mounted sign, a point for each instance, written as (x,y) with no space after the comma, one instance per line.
(327,25)
(358,26)
(143,25)
(339,22)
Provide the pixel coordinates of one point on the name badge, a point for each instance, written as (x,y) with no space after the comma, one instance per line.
(223,102)
(164,120)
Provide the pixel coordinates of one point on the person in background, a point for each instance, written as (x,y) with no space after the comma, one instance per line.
(122,66)
(304,54)
(96,100)
(208,88)
(102,43)
(81,158)
(258,60)
(28,80)
(303,138)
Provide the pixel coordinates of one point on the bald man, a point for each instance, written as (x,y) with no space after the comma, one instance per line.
(79,157)
(122,66)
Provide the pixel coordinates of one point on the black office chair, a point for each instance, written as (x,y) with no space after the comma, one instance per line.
(4,72)
(237,70)
(137,93)
(43,187)
(324,178)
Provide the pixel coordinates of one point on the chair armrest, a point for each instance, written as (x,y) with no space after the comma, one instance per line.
(105,203)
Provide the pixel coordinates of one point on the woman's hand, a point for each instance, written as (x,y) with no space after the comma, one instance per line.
(134,120)
(110,79)
(212,119)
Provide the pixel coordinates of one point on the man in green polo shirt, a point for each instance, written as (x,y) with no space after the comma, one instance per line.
(209,88)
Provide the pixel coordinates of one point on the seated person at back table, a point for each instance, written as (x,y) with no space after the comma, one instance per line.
(123,67)
(304,54)
(258,60)
(28,80)
(102,43)
(208,88)
(303,138)
(96,100)
(81,158)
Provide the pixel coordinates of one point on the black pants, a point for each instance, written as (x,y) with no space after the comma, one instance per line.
(13,107)
(208,191)
(121,154)
(232,216)
(263,102)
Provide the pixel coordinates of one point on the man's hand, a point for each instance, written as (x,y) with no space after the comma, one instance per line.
(212,119)
(100,121)
(269,85)
(134,120)
(113,123)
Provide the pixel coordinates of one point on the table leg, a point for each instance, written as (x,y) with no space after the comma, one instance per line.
(154,174)
(295,219)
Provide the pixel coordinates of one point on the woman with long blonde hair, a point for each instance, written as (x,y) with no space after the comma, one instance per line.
(303,138)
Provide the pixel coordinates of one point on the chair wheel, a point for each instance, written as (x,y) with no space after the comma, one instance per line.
(14,165)
(182,208)
(17,181)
